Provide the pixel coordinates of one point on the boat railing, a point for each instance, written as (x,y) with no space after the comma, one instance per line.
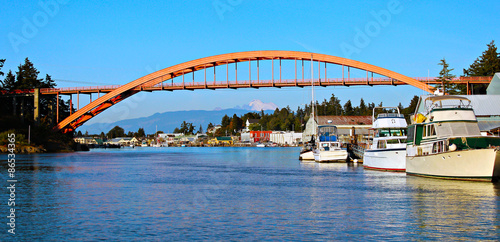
(446,106)
(446,102)
(390,115)
(384,109)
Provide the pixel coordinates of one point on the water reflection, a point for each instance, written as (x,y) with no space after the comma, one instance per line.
(454,210)
(241,194)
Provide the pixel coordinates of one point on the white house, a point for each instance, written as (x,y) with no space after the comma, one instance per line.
(285,138)
(249,122)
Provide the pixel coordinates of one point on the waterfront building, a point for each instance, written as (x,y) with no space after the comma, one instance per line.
(285,138)
(245,137)
(123,141)
(88,140)
(260,136)
(221,141)
(213,129)
(250,122)
(169,138)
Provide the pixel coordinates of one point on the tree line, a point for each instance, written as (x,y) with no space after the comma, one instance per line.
(485,65)
(17,112)
(27,77)
(20,113)
(285,119)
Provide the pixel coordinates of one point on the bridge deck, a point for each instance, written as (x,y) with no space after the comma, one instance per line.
(166,86)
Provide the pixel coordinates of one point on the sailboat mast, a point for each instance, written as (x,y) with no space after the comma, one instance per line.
(312,87)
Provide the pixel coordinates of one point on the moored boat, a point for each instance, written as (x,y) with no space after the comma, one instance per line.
(444,141)
(388,148)
(306,152)
(328,148)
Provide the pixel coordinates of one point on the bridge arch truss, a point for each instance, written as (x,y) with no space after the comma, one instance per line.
(158,80)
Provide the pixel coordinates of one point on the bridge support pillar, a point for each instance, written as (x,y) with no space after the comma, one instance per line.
(36,104)
(14,105)
(57,108)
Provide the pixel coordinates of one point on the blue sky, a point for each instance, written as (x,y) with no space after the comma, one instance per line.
(116,42)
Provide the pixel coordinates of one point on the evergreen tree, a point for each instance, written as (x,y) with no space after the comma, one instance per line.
(209,126)
(348,109)
(2,61)
(190,129)
(116,131)
(363,109)
(140,133)
(486,65)
(225,121)
(444,78)
(27,76)
(9,82)
(336,107)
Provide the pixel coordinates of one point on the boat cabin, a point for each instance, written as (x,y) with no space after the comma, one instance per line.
(444,123)
(389,129)
(327,137)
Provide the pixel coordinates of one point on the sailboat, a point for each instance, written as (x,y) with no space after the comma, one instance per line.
(327,147)
(307,151)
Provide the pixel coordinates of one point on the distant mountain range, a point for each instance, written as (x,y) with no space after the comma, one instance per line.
(168,121)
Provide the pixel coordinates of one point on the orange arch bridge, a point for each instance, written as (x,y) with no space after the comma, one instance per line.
(157,80)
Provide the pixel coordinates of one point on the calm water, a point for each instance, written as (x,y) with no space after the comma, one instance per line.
(157,194)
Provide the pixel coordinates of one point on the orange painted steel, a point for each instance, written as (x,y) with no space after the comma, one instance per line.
(153,80)
(257,83)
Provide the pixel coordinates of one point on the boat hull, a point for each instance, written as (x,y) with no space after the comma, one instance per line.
(385,159)
(309,155)
(478,164)
(330,156)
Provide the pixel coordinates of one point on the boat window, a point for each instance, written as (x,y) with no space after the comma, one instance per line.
(391,132)
(458,129)
(393,141)
(381,144)
(438,147)
(429,130)
(411,133)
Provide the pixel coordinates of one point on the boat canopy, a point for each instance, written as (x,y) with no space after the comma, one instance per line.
(448,101)
(447,97)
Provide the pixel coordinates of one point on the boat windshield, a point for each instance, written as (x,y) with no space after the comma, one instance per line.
(390,115)
(390,132)
(327,133)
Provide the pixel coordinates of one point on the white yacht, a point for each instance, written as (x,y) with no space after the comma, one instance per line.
(388,148)
(444,141)
(328,148)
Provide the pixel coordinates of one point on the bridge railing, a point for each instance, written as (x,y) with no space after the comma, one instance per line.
(71,89)
(233,83)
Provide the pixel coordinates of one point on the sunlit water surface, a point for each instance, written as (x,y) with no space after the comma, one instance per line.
(237,194)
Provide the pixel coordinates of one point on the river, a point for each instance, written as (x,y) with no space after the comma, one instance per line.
(157,194)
